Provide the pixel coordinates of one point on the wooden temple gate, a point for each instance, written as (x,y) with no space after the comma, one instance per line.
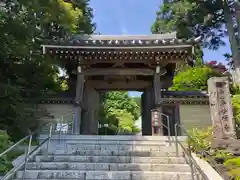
(106,63)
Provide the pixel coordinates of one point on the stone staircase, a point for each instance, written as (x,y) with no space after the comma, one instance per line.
(109,158)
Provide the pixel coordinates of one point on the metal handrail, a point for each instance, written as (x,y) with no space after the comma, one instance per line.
(192,161)
(20,141)
(28,153)
(168,124)
(14,145)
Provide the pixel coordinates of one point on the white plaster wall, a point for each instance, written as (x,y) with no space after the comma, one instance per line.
(60,111)
(195,116)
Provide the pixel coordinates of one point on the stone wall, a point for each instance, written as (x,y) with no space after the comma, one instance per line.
(59,111)
(195,116)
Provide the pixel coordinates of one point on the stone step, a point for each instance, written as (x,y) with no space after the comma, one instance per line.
(108,166)
(110,159)
(116,142)
(114,138)
(113,153)
(120,147)
(104,175)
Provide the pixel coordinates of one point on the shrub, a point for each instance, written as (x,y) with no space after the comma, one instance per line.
(201,141)
(200,138)
(236,112)
(193,79)
(233,165)
(4,144)
(4,141)
(6,160)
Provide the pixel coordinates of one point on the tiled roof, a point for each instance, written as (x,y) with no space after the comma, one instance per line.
(117,41)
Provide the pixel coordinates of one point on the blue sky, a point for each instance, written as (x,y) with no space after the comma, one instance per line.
(135,17)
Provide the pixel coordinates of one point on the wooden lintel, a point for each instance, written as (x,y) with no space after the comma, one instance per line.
(130,61)
(118,71)
(119,85)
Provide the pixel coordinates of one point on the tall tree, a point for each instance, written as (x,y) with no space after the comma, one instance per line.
(192,18)
(211,20)
(25,75)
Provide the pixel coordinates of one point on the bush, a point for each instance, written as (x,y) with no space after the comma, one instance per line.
(193,79)
(236,112)
(4,144)
(200,138)
(201,141)
(6,160)
(233,166)
(4,141)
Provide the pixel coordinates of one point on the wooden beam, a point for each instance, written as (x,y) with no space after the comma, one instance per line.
(129,61)
(119,85)
(117,71)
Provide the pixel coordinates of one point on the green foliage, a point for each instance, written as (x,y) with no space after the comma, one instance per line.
(119,111)
(26,76)
(200,138)
(236,107)
(121,100)
(4,141)
(6,160)
(137,99)
(233,165)
(235,89)
(192,18)
(221,154)
(236,113)
(193,79)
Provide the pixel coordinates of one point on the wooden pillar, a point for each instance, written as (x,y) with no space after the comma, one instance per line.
(157,128)
(143,110)
(157,86)
(90,119)
(78,101)
(147,105)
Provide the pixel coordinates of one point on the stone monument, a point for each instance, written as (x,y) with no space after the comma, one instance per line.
(221,108)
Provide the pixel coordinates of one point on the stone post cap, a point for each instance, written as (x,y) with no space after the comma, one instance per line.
(218,79)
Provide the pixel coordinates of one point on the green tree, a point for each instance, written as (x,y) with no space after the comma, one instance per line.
(26,76)
(192,18)
(119,111)
(193,78)
(138,100)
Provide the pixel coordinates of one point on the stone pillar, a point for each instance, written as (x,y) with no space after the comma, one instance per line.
(147,105)
(78,102)
(90,119)
(221,108)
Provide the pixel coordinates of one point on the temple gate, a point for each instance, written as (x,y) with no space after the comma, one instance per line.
(99,63)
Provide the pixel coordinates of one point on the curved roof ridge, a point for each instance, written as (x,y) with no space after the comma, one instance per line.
(172,35)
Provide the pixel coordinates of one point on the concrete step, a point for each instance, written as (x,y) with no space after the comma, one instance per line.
(110,159)
(108,166)
(104,175)
(113,153)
